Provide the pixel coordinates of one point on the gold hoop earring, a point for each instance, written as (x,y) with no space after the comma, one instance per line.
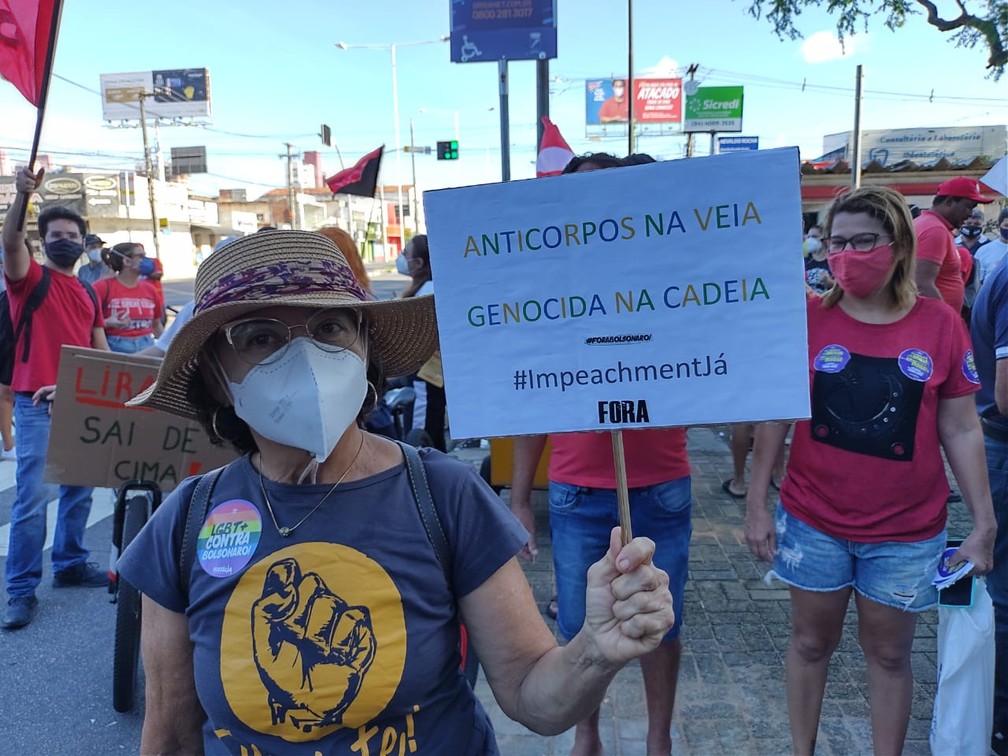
(371,389)
(213,424)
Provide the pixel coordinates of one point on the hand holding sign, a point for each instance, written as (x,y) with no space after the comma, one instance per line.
(628,606)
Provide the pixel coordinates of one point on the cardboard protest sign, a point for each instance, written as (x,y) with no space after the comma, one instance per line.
(646,296)
(96,441)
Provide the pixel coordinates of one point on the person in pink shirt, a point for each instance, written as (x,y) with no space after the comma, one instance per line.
(939,266)
(583,511)
(862,508)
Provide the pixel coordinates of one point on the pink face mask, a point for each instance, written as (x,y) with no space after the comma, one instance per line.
(861,273)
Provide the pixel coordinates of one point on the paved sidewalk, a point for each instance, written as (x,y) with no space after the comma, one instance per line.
(731,697)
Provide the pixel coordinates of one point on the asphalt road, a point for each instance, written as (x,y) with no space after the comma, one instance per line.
(56,691)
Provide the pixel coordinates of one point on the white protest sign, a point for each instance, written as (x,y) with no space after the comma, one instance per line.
(646,296)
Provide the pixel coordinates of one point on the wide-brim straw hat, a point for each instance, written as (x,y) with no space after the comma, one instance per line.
(292,268)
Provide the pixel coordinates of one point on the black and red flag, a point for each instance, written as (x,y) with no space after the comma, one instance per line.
(360,179)
(28,32)
(27,44)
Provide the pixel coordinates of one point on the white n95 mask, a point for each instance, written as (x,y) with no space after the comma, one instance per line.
(306,399)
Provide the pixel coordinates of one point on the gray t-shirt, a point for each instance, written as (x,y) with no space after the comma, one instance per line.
(343,637)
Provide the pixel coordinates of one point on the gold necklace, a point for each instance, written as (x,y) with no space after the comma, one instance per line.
(285,531)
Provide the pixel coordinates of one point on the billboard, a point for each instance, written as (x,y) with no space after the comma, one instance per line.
(737,144)
(171,93)
(959,145)
(714,109)
(492,30)
(655,101)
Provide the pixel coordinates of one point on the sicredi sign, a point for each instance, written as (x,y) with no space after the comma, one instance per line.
(96,441)
(645,296)
(714,109)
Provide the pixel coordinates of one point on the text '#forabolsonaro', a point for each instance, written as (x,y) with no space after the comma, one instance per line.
(703,366)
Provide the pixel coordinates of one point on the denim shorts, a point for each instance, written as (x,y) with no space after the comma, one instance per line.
(580,522)
(892,573)
(129,344)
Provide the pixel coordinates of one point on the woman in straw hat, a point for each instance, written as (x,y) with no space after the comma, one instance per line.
(319,608)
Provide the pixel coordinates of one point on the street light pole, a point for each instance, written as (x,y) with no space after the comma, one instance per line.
(398,149)
(393,47)
(412,152)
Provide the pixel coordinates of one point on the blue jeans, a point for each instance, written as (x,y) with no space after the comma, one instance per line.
(28,515)
(129,344)
(580,522)
(997,580)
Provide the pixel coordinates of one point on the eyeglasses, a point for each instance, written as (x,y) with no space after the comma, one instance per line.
(260,341)
(859,242)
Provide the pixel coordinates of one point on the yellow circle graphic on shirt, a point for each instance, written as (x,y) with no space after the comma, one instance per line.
(314,639)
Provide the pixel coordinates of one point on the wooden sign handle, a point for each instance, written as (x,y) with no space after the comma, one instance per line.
(622,493)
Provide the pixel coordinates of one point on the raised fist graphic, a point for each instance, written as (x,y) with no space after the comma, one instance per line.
(312,650)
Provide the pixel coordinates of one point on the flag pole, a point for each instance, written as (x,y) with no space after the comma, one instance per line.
(43,96)
(622,493)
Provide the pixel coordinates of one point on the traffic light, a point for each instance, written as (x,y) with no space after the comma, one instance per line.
(326,135)
(448,150)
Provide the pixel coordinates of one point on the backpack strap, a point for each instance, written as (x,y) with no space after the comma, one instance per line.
(94,297)
(196,512)
(425,506)
(34,301)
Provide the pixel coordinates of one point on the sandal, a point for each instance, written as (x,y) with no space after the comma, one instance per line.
(551,607)
(726,487)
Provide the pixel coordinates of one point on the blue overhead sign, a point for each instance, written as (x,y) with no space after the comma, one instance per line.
(737,144)
(492,30)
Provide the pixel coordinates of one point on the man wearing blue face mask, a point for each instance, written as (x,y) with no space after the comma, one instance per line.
(50,307)
(94,269)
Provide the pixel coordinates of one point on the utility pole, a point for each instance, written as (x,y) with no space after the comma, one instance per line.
(505,120)
(149,169)
(856,146)
(290,185)
(689,90)
(412,152)
(630,81)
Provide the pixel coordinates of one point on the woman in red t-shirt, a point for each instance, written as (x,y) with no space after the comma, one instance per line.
(863,504)
(132,306)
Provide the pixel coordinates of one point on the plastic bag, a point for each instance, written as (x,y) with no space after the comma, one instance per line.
(964,702)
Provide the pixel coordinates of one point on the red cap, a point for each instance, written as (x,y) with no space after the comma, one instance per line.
(964,187)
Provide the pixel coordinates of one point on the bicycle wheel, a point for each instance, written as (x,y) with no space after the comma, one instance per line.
(126,653)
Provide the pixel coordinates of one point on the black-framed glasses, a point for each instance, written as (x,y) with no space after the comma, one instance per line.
(859,242)
(259,341)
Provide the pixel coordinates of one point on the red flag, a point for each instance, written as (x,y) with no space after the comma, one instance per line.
(361,179)
(554,152)
(27,41)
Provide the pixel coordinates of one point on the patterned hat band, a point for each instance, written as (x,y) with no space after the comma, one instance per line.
(268,282)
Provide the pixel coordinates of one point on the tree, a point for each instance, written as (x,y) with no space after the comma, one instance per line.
(989,26)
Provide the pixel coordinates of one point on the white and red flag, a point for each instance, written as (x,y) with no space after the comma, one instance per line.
(554,152)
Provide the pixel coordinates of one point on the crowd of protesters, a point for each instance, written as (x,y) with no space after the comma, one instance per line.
(858,511)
